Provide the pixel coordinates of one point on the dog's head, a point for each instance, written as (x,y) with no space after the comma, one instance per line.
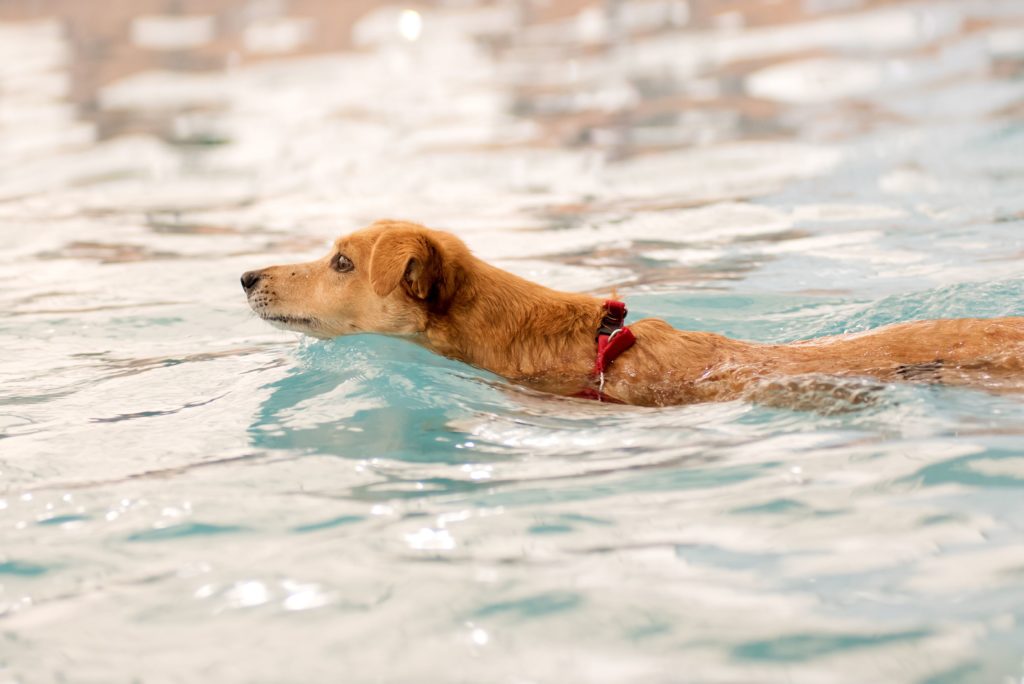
(388,278)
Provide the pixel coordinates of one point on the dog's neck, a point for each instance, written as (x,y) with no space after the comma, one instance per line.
(509,326)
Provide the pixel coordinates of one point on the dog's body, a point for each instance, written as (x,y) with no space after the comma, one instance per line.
(401,279)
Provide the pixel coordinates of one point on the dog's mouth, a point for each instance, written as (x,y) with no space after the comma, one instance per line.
(304,324)
(289,320)
(261,306)
(300,323)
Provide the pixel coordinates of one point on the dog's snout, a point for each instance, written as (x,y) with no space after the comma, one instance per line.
(250,278)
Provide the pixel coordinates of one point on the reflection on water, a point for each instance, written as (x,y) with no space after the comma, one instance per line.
(218,501)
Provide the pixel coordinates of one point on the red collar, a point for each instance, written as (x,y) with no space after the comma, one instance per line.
(613,338)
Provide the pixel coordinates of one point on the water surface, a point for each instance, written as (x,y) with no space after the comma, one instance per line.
(190,495)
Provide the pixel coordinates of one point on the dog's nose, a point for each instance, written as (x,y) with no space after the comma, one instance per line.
(250,278)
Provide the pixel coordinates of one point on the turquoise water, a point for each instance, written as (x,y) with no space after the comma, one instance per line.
(187,494)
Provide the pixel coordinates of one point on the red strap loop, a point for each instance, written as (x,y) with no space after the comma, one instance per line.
(615,311)
(613,338)
(609,347)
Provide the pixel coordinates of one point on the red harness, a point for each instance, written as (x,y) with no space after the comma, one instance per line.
(613,338)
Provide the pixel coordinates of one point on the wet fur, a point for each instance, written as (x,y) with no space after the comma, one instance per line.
(426,286)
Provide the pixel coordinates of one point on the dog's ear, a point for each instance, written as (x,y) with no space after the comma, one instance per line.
(414,260)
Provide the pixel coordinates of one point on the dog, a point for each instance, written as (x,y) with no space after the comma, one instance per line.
(402,279)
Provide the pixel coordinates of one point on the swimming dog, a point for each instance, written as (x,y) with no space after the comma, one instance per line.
(402,279)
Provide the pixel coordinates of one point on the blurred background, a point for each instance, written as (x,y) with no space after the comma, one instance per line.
(187,494)
(188,105)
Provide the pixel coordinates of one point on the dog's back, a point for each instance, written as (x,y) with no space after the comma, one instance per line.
(669,366)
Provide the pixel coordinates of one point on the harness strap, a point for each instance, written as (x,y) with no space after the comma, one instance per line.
(613,338)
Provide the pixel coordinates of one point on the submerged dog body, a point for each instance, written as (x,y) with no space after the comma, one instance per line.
(401,279)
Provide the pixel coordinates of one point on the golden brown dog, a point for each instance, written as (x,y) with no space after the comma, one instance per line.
(401,279)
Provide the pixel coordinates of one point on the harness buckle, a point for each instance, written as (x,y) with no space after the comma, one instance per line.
(614,318)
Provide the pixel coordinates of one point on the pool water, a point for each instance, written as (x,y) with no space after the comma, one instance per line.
(187,494)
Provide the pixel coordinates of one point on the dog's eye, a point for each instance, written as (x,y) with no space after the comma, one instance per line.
(341,263)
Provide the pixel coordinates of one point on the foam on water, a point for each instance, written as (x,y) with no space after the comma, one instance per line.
(187,494)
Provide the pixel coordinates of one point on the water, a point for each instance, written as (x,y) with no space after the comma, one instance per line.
(190,495)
